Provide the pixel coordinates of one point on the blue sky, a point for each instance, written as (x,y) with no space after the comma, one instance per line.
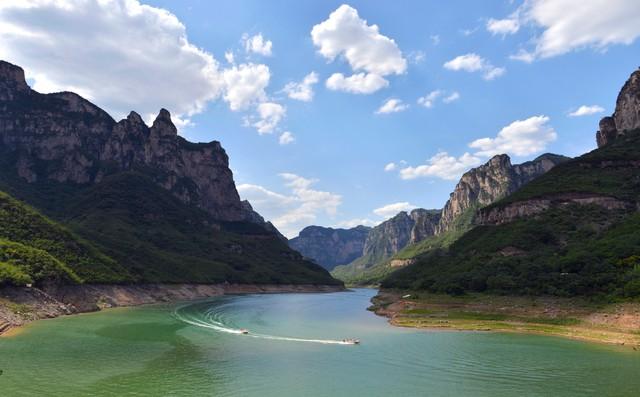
(330,167)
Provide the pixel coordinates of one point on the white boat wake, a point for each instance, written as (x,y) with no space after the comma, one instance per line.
(213,324)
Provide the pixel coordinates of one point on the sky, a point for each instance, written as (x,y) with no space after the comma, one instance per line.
(339,114)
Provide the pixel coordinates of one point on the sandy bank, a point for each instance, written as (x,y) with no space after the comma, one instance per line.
(20,305)
(574,318)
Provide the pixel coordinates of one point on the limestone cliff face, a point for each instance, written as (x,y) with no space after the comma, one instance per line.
(330,247)
(626,117)
(491,181)
(65,138)
(394,234)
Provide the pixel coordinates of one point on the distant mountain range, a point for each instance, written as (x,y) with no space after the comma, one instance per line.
(88,199)
(553,225)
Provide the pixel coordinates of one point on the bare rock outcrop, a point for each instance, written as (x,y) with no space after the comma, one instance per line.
(626,116)
(65,138)
(490,182)
(330,247)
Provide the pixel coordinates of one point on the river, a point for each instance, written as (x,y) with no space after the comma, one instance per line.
(294,348)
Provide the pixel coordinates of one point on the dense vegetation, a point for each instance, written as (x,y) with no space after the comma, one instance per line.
(567,250)
(33,248)
(127,229)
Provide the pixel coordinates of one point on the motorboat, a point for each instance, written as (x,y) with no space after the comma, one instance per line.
(351,341)
(244,331)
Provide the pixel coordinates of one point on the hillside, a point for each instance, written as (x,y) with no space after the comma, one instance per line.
(478,187)
(35,249)
(128,202)
(573,231)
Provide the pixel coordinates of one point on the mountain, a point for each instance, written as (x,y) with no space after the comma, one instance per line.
(573,231)
(330,247)
(396,242)
(154,206)
(389,237)
(491,181)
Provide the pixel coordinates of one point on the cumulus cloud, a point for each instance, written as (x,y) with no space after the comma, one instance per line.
(345,34)
(474,63)
(269,116)
(122,55)
(257,44)
(230,57)
(302,91)
(521,138)
(245,85)
(503,26)
(586,110)
(390,167)
(360,83)
(390,210)
(443,166)
(286,138)
(392,105)
(589,24)
(299,207)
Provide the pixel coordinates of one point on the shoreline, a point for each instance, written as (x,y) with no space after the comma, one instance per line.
(573,318)
(22,305)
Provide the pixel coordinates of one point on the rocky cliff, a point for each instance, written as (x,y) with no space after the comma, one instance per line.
(330,247)
(65,138)
(626,116)
(491,181)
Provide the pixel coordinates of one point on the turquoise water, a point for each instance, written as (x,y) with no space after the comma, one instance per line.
(293,350)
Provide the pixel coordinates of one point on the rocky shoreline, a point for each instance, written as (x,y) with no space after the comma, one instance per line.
(21,305)
(574,318)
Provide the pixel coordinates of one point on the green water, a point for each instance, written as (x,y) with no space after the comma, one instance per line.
(292,350)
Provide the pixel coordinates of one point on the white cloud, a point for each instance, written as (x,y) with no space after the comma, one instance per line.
(122,55)
(523,56)
(432,97)
(503,26)
(286,138)
(392,105)
(245,85)
(257,44)
(586,110)
(416,57)
(390,210)
(364,48)
(443,166)
(390,167)
(356,84)
(474,63)
(350,223)
(298,208)
(429,100)
(302,91)
(521,138)
(269,116)
(230,57)
(571,25)
(454,96)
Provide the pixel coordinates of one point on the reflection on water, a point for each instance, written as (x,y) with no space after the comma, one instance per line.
(294,348)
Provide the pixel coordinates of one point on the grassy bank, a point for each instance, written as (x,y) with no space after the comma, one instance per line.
(576,318)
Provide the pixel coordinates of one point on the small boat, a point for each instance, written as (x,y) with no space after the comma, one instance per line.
(351,341)
(244,331)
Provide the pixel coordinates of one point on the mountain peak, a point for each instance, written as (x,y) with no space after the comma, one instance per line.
(163,123)
(12,81)
(626,117)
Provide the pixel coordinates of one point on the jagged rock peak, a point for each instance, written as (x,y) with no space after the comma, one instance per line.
(12,81)
(134,117)
(626,117)
(163,123)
